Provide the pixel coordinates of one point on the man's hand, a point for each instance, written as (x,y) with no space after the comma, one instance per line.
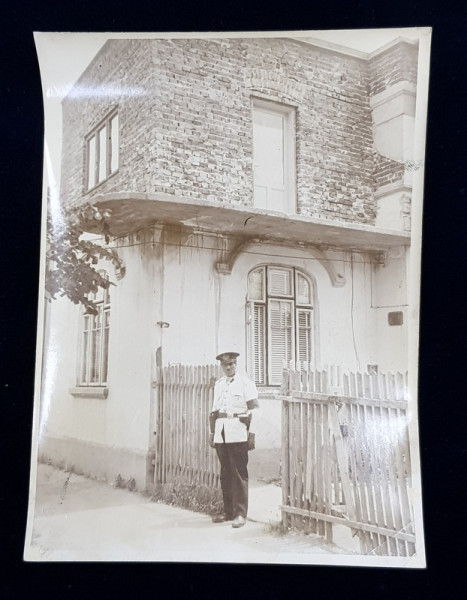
(251,441)
(211,440)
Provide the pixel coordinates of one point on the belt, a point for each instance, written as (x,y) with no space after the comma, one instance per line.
(223,415)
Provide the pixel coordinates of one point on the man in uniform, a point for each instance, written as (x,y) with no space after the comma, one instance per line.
(233,428)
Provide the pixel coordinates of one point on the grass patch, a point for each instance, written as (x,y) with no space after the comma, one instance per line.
(129,484)
(275,480)
(195,497)
(277,529)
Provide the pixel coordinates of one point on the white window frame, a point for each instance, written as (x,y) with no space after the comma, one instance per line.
(251,340)
(288,270)
(87,337)
(297,275)
(268,377)
(107,156)
(310,350)
(289,143)
(269,360)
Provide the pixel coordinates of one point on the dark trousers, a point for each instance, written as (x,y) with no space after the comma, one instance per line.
(234,478)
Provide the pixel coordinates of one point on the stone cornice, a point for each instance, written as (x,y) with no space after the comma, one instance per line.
(399,88)
(392,44)
(392,188)
(133,211)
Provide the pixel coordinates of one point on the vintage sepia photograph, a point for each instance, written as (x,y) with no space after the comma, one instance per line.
(228,331)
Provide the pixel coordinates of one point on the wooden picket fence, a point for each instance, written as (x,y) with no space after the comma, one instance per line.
(185,396)
(346,457)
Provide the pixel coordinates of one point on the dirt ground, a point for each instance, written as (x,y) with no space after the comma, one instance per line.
(78,519)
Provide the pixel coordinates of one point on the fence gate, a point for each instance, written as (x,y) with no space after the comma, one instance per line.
(346,459)
(185,396)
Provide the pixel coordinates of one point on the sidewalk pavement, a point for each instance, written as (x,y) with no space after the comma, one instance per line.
(78,519)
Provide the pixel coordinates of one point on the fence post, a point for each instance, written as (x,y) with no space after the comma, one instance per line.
(158,433)
(285,461)
(285,386)
(369,454)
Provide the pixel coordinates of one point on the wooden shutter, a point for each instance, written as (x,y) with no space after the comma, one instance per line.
(259,342)
(281,337)
(256,331)
(304,316)
(280,282)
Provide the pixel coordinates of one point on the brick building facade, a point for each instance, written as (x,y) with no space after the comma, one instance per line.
(186,125)
(170,140)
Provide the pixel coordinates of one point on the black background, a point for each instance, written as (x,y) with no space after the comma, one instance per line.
(442,353)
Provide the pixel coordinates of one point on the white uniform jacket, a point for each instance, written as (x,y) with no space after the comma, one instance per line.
(234,396)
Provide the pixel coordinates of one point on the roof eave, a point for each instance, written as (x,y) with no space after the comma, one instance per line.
(131,212)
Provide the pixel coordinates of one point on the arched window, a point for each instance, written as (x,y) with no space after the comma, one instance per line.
(95,341)
(279,321)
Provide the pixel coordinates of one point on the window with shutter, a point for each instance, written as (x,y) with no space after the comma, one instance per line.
(85,348)
(280,282)
(258,343)
(304,334)
(95,348)
(281,333)
(280,320)
(95,342)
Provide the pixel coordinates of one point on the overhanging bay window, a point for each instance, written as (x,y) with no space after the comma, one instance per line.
(279,321)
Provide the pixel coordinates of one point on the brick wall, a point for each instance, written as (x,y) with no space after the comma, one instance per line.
(397,63)
(387,171)
(116,78)
(185,120)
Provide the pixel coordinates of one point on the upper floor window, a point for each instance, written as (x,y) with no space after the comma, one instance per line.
(274,156)
(95,341)
(280,321)
(102,151)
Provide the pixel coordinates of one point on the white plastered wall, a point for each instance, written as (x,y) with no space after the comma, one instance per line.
(106,436)
(205,312)
(393,112)
(346,331)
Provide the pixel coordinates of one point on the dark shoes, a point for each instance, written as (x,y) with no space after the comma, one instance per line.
(239,522)
(221,518)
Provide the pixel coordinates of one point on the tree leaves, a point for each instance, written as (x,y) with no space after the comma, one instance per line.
(71,261)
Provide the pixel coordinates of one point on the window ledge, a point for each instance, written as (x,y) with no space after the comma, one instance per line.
(89,392)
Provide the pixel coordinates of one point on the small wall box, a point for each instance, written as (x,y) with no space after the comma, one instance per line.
(395,318)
